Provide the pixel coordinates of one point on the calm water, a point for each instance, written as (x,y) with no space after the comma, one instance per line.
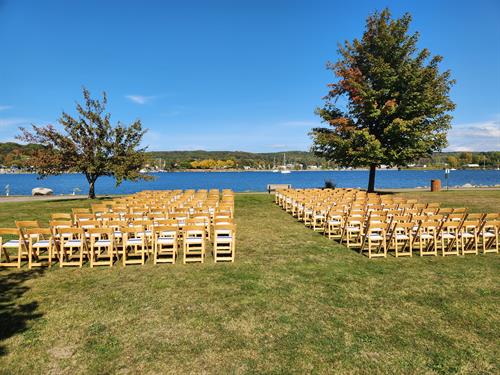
(21,184)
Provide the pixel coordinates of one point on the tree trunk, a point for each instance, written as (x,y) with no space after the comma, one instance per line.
(371,178)
(92,189)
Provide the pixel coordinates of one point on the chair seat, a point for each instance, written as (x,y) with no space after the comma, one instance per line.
(402,237)
(11,243)
(376,237)
(447,235)
(165,241)
(426,236)
(466,235)
(353,229)
(41,243)
(488,234)
(337,222)
(102,243)
(73,243)
(146,233)
(193,240)
(134,241)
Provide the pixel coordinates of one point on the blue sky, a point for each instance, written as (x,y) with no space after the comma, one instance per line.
(227,75)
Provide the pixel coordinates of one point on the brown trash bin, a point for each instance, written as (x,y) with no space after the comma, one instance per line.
(435,185)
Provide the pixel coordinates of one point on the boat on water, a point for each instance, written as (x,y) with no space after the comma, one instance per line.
(285,170)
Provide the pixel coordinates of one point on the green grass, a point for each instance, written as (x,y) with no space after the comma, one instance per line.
(293,302)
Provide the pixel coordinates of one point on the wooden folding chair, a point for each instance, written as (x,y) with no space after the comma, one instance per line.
(448,237)
(489,236)
(102,246)
(374,239)
(353,231)
(400,238)
(72,246)
(194,244)
(334,224)
(134,245)
(40,247)
(425,237)
(23,225)
(468,236)
(224,243)
(165,244)
(11,247)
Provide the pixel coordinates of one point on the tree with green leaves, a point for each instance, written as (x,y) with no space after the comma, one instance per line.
(88,144)
(390,104)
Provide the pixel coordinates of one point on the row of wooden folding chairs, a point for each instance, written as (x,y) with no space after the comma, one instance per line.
(377,224)
(454,233)
(70,245)
(156,215)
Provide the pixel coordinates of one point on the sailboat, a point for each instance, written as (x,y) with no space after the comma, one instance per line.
(285,170)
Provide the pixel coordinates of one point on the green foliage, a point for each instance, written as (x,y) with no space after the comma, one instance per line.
(183,159)
(88,144)
(397,100)
(213,164)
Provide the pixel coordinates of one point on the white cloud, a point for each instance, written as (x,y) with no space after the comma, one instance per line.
(139,99)
(480,136)
(278,145)
(5,107)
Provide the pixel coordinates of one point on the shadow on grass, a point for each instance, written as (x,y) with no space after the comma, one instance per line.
(14,317)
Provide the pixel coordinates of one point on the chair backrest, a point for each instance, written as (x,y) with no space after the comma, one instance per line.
(223,221)
(225,230)
(38,231)
(471,225)
(83,216)
(88,224)
(450,226)
(133,232)
(115,225)
(60,224)
(27,224)
(110,216)
(66,233)
(60,216)
(166,231)
(166,222)
(194,231)
(9,231)
(99,233)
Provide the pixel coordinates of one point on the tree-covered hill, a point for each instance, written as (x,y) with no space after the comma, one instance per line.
(14,154)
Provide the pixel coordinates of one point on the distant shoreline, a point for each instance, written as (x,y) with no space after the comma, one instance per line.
(268,170)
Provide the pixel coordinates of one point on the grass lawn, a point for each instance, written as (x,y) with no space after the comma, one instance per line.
(293,302)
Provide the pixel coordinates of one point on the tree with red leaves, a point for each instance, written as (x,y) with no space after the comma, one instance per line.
(396,105)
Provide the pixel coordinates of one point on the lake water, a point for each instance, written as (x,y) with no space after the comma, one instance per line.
(21,184)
